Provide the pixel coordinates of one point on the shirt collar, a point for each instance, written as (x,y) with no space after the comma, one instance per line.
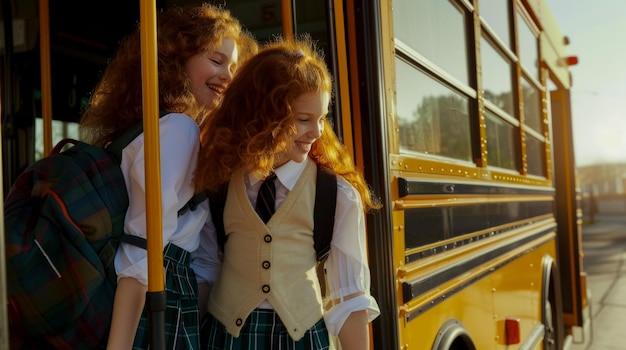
(287,173)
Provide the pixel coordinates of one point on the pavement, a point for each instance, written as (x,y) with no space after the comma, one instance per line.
(604,261)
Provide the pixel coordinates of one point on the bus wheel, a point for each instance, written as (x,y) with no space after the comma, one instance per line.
(552,307)
(453,336)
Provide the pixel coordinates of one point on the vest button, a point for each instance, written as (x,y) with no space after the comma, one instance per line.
(239,322)
(266,265)
(267,238)
(266,288)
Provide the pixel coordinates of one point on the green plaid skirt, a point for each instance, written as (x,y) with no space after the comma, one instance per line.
(182,323)
(263,330)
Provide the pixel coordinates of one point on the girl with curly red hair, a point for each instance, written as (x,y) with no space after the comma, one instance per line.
(199,50)
(265,293)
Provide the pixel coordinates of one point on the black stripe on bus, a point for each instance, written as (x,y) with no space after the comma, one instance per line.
(428,226)
(408,187)
(412,289)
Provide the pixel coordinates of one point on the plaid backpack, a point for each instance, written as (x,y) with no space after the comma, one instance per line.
(64,219)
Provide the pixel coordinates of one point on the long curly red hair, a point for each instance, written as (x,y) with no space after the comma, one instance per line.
(182,32)
(255,121)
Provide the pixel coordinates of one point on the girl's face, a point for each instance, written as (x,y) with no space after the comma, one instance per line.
(211,72)
(310,113)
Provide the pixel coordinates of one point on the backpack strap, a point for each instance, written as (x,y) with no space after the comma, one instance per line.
(117,145)
(323,215)
(324,212)
(134,240)
(217,201)
(324,220)
(191,205)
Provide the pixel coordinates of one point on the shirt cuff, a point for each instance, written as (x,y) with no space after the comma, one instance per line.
(337,315)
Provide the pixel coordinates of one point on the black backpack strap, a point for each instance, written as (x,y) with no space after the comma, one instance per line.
(324,220)
(134,240)
(217,201)
(117,145)
(324,212)
(192,203)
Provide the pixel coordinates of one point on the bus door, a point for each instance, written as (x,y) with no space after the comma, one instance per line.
(568,212)
(567,192)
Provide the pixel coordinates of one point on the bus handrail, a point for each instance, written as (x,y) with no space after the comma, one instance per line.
(155,298)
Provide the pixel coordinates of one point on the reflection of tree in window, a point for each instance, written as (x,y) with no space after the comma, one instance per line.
(440,126)
(535,161)
(532,112)
(504,101)
(500,142)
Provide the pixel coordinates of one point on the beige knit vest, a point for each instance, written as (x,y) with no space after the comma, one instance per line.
(274,261)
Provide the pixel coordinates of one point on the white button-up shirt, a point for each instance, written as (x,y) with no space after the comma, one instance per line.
(179,145)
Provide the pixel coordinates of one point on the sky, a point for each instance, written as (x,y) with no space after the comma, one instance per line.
(597,33)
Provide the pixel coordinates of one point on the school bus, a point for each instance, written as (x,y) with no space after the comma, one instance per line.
(457,111)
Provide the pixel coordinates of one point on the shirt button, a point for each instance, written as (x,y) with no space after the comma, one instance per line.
(266,288)
(266,265)
(267,238)
(239,322)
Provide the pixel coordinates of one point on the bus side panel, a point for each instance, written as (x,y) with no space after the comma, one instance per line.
(481,299)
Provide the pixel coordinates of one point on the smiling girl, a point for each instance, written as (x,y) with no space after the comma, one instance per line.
(265,293)
(199,50)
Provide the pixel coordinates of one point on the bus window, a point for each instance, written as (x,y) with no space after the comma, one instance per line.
(426,110)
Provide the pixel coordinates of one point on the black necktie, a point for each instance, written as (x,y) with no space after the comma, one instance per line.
(265,200)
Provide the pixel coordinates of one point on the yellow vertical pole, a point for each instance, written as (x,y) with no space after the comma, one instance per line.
(286,7)
(155,298)
(149,74)
(46,75)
